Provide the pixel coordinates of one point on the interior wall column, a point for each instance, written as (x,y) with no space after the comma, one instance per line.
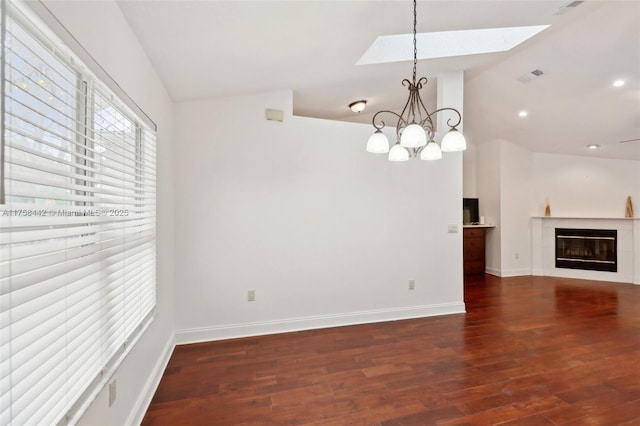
(450,94)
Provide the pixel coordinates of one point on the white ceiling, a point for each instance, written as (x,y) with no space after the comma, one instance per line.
(205,49)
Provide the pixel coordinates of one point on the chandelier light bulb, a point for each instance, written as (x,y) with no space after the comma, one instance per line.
(398,153)
(413,136)
(431,152)
(378,143)
(453,141)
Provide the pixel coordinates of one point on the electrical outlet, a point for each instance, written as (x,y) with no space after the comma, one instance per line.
(517,256)
(251,295)
(112,393)
(412,284)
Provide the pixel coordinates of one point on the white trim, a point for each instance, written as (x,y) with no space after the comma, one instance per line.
(204,334)
(515,272)
(508,272)
(584,218)
(493,271)
(141,405)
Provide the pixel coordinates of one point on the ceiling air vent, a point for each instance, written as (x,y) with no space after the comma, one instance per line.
(528,77)
(568,6)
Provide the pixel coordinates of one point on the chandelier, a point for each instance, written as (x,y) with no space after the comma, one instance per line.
(415,131)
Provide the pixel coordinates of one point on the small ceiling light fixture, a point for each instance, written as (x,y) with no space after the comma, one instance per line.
(358,106)
(415,131)
(593,146)
(618,83)
(523,114)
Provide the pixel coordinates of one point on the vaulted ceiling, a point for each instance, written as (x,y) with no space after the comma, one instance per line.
(204,49)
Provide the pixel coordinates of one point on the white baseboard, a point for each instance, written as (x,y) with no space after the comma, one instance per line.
(508,272)
(144,400)
(515,272)
(205,334)
(492,271)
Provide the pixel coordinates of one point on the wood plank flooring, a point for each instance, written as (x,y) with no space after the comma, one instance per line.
(529,351)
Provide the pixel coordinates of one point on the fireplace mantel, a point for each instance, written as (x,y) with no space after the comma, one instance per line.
(543,247)
(584,218)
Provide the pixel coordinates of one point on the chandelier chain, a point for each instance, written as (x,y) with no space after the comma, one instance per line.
(415,45)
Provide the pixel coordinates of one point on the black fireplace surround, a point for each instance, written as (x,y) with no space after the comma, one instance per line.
(589,249)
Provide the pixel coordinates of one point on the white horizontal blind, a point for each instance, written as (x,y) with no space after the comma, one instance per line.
(77,231)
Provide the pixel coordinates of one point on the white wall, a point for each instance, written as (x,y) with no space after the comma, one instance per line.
(103,31)
(585,186)
(504,192)
(489,200)
(515,209)
(469,173)
(324,232)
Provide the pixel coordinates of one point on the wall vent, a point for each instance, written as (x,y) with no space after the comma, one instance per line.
(528,77)
(568,6)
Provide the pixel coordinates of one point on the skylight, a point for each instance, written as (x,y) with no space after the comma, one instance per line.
(396,48)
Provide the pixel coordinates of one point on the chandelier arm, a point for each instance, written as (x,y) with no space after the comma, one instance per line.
(427,123)
(418,101)
(456,124)
(382,123)
(408,107)
(427,119)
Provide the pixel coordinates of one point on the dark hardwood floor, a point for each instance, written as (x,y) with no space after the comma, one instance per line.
(529,351)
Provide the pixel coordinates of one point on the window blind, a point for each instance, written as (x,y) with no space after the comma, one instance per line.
(77,229)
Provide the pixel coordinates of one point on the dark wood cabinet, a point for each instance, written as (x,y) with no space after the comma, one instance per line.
(473,250)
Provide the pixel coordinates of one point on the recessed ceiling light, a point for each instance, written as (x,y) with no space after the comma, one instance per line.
(618,83)
(523,114)
(358,106)
(444,44)
(593,146)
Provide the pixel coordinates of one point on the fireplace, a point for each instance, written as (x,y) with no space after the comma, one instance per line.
(589,249)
